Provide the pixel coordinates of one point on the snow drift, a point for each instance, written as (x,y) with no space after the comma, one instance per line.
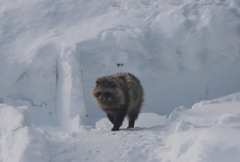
(207,132)
(18,140)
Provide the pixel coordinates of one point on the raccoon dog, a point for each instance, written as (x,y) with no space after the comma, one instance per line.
(118,96)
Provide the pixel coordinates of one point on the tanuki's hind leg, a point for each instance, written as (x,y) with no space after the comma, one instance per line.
(132,116)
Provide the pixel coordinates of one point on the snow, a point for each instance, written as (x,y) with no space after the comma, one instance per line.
(18,140)
(209,131)
(185,53)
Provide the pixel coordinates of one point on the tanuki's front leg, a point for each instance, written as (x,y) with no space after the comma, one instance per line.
(118,121)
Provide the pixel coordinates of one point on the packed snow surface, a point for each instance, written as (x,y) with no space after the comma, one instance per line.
(183,51)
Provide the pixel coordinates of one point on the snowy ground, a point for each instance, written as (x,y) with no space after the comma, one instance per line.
(183,52)
(208,132)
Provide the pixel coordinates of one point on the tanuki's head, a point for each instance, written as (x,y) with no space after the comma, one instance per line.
(108,92)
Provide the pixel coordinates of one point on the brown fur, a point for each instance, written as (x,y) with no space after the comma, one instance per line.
(119,95)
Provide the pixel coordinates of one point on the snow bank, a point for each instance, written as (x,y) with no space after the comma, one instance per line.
(183,51)
(205,144)
(18,140)
(207,132)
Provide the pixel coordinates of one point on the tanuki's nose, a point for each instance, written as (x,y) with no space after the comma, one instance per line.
(101,99)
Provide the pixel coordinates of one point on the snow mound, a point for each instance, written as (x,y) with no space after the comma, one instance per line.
(184,126)
(147,120)
(104,124)
(205,144)
(207,132)
(230,119)
(226,99)
(19,141)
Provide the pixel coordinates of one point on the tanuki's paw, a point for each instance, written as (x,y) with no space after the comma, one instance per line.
(130,127)
(115,129)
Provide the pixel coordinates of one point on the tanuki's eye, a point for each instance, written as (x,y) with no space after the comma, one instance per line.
(107,94)
(98,94)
